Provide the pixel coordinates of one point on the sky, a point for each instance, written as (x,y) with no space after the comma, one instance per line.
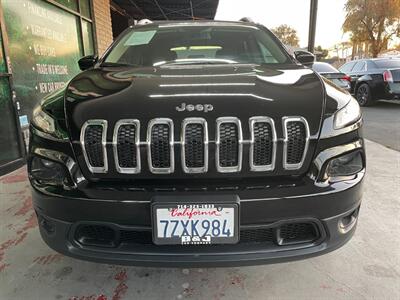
(295,13)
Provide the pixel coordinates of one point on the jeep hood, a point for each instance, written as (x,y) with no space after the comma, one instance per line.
(241,91)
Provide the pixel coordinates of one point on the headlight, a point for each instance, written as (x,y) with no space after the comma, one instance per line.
(348,114)
(42,120)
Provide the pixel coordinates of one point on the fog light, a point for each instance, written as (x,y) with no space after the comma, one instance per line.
(345,165)
(347,223)
(47,171)
(46,224)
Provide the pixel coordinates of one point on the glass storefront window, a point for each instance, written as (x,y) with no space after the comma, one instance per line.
(45,39)
(87,36)
(80,42)
(84,6)
(3,67)
(71,4)
(44,48)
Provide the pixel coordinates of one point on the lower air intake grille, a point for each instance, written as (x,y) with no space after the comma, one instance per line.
(93,145)
(137,237)
(294,233)
(260,235)
(285,234)
(95,235)
(126,149)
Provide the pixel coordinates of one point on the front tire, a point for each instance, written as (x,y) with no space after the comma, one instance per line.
(364,95)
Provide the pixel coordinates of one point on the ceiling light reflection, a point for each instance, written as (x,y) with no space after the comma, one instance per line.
(209,75)
(287,77)
(195,60)
(207,84)
(210,95)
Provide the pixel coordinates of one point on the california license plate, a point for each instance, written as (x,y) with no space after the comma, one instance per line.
(195,224)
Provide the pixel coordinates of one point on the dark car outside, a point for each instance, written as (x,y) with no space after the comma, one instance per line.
(329,72)
(196,143)
(374,79)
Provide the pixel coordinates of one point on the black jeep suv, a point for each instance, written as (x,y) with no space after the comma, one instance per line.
(196,144)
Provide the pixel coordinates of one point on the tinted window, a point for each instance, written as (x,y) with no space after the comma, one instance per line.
(360,66)
(324,68)
(150,46)
(371,65)
(388,63)
(347,67)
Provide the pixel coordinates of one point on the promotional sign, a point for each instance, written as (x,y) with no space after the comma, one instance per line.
(43,46)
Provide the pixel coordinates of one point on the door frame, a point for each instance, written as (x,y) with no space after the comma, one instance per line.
(21,160)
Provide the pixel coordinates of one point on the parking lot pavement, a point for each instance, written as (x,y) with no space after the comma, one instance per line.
(368,267)
(382,123)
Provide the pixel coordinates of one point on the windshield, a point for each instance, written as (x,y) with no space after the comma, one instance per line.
(153,46)
(388,64)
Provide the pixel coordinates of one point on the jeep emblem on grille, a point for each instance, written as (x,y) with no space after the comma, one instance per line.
(193,107)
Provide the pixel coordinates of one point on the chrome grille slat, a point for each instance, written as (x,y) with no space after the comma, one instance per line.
(93,141)
(296,139)
(194,141)
(262,144)
(229,145)
(126,142)
(160,136)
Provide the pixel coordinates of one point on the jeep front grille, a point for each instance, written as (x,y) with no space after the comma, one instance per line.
(194,145)
(229,142)
(126,142)
(194,140)
(160,143)
(296,137)
(93,142)
(263,144)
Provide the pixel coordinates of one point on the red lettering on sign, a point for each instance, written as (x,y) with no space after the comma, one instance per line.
(192,212)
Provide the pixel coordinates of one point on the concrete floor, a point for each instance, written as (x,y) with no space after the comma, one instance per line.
(382,123)
(368,267)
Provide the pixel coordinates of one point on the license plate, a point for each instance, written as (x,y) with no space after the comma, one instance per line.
(195,224)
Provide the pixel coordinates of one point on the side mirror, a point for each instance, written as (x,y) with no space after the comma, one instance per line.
(87,62)
(304,57)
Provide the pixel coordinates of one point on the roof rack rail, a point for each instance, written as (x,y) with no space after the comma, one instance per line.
(246,19)
(144,22)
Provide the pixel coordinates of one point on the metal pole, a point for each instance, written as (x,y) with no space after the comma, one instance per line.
(312,25)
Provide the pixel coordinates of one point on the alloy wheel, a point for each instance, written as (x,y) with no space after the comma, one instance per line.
(362,95)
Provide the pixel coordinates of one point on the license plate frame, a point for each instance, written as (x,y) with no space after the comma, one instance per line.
(225,201)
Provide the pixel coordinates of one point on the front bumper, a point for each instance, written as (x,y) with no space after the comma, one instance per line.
(326,206)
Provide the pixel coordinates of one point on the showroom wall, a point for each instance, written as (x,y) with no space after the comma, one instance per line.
(42,41)
(102,19)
